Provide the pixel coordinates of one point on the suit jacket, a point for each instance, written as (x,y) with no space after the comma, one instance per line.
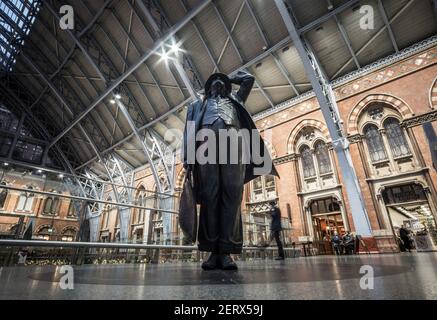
(196,111)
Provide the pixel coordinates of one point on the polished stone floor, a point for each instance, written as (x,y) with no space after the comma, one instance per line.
(400,276)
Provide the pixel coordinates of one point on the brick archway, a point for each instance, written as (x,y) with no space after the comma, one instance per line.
(304,124)
(398,104)
(180,180)
(433,95)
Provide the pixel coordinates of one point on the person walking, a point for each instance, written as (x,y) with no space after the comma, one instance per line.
(276,228)
(404,234)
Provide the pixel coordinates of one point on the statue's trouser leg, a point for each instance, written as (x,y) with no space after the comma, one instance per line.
(221,191)
(231,227)
(209,223)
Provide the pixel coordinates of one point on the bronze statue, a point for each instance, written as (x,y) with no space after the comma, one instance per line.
(218,184)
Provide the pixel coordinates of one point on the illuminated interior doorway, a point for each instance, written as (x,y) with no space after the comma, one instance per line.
(407,205)
(326,218)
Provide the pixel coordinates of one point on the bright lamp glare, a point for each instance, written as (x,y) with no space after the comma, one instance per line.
(112,101)
(165,56)
(117,96)
(175,48)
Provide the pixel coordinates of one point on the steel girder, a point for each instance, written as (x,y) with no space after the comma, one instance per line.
(134,67)
(71,52)
(328,106)
(157,18)
(43,126)
(18,31)
(106,71)
(73,182)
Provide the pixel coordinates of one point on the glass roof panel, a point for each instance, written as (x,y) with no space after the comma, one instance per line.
(16,20)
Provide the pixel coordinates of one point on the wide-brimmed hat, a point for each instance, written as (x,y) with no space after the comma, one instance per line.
(221,76)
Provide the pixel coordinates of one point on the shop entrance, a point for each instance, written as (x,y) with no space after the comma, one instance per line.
(408,207)
(326,220)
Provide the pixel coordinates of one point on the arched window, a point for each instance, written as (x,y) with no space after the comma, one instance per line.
(51,206)
(138,216)
(45,233)
(107,213)
(104,219)
(25,201)
(68,234)
(3,195)
(375,143)
(117,220)
(264,188)
(322,156)
(307,162)
(73,209)
(396,138)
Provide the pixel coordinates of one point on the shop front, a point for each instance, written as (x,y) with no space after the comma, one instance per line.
(409,206)
(327,220)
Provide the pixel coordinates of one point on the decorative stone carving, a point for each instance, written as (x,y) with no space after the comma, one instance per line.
(420,119)
(285,159)
(260,207)
(355,138)
(376,113)
(397,65)
(309,134)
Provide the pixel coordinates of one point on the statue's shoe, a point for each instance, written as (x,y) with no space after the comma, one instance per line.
(227,263)
(212,262)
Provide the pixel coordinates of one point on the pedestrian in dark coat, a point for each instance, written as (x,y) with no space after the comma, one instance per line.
(276,228)
(404,234)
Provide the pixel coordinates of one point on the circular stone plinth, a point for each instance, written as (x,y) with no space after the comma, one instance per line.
(249,273)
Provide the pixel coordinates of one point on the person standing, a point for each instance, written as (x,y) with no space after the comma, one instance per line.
(349,243)
(404,234)
(337,243)
(276,228)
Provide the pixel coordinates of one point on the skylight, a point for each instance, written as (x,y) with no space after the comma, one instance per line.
(16,20)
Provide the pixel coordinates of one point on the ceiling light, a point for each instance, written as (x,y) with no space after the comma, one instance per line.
(5,164)
(112,101)
(60,176)
(165,55)
(175,48)
(39,171)
(117,96)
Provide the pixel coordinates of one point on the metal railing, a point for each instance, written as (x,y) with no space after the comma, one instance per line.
(78,253)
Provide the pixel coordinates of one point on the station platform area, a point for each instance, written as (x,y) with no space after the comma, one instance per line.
(397,276)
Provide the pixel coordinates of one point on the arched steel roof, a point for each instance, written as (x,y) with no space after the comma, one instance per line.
(68,79)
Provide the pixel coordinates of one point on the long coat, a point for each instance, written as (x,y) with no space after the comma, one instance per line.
(195,113)
(276,220)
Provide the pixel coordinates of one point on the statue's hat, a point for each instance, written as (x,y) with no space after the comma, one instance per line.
(222,77)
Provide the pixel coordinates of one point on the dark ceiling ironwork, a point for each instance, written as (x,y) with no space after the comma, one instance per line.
(16,20)
(72,76)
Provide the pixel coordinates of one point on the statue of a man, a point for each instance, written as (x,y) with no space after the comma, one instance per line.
(219,184)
